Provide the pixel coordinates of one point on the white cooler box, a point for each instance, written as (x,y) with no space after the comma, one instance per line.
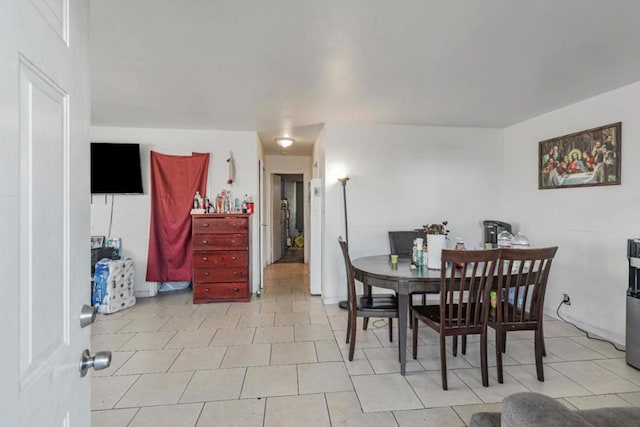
(113,284)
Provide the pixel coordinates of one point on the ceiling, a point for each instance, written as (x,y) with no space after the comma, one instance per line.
(285,67)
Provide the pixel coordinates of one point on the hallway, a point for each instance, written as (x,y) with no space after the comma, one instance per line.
(280,360)
(292,255)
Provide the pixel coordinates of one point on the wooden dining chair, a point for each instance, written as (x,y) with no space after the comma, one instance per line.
(522,284)
(464,303)
(382,305)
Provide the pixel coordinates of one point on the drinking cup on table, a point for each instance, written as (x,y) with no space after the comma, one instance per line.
(394,259)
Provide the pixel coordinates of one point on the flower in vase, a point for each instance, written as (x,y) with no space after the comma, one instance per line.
(436,228)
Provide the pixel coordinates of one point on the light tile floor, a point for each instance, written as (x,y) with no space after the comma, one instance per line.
(280,360)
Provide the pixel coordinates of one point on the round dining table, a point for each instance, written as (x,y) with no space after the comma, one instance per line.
(378,271)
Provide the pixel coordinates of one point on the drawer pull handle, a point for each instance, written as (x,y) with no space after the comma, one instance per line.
(206,290)
(235,273)
(204,242)
(235,289)
(233,241)
(233,224)
(234,258)
(204,258)
(206,224)
(206,273)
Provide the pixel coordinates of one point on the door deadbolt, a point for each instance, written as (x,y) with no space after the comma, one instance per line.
(87,315)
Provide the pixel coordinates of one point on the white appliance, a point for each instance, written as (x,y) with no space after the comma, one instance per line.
(315,236)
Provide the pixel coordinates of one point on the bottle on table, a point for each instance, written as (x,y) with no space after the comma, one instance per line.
(197,201)
(459,247)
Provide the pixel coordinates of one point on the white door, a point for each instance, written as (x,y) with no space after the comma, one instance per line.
(44,211)
(276,225)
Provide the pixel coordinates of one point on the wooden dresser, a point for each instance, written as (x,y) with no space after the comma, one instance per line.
(221,255)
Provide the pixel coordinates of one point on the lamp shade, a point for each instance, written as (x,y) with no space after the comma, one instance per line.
(284,142)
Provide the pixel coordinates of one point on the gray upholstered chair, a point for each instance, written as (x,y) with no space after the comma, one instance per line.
(401,243)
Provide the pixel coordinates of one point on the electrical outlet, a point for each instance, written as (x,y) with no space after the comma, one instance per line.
(566,299)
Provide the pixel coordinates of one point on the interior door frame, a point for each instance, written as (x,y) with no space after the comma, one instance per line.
(269,197)
(272,216)
(261,227)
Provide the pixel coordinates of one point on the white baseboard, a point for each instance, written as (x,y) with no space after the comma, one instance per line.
(333,300)
(592,329)
(148,291)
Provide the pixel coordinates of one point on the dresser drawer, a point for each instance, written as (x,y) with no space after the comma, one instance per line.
(220,274)
(203,242)
(220,291)
(220,259)
(220,225)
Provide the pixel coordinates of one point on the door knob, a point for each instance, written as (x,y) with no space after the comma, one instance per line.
(101,360)
(87,315)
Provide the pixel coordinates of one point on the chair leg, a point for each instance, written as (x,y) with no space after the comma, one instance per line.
(539,344)
(365,323)
(544,347)
(499,338)
(390,329)
(464,344)
(352,339)
(504,341)
(443,361)
(414,322)
(348,327)
(409,310)
(424,299)
(483,358)
(454,345)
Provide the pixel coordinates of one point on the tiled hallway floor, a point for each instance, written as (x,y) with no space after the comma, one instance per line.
(280,360)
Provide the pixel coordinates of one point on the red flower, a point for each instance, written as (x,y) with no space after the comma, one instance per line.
(229,181)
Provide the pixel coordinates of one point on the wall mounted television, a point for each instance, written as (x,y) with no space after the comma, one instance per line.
(115,168)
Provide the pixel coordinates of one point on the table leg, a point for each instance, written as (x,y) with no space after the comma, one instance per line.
(403,304)
(366,287)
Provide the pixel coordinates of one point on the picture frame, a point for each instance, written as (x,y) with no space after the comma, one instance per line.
(114,242)
(587,158)
(97,242)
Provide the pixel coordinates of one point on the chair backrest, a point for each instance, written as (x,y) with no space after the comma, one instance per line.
(401,242)
(351,281)
(522,283)
(465,292)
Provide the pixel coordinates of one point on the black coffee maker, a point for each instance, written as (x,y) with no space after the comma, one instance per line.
(491,230)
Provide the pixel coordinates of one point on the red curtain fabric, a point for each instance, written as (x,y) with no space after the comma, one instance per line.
(174,181)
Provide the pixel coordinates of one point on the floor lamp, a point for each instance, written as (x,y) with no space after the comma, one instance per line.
(345,304)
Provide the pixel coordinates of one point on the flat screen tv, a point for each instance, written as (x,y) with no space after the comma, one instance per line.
(115,168)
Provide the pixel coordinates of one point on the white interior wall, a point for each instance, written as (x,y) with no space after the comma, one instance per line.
(316,255)
(131,214)
(402,177)
(287,165)
(590,225)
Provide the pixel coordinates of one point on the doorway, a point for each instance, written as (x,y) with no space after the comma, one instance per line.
(288,238)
